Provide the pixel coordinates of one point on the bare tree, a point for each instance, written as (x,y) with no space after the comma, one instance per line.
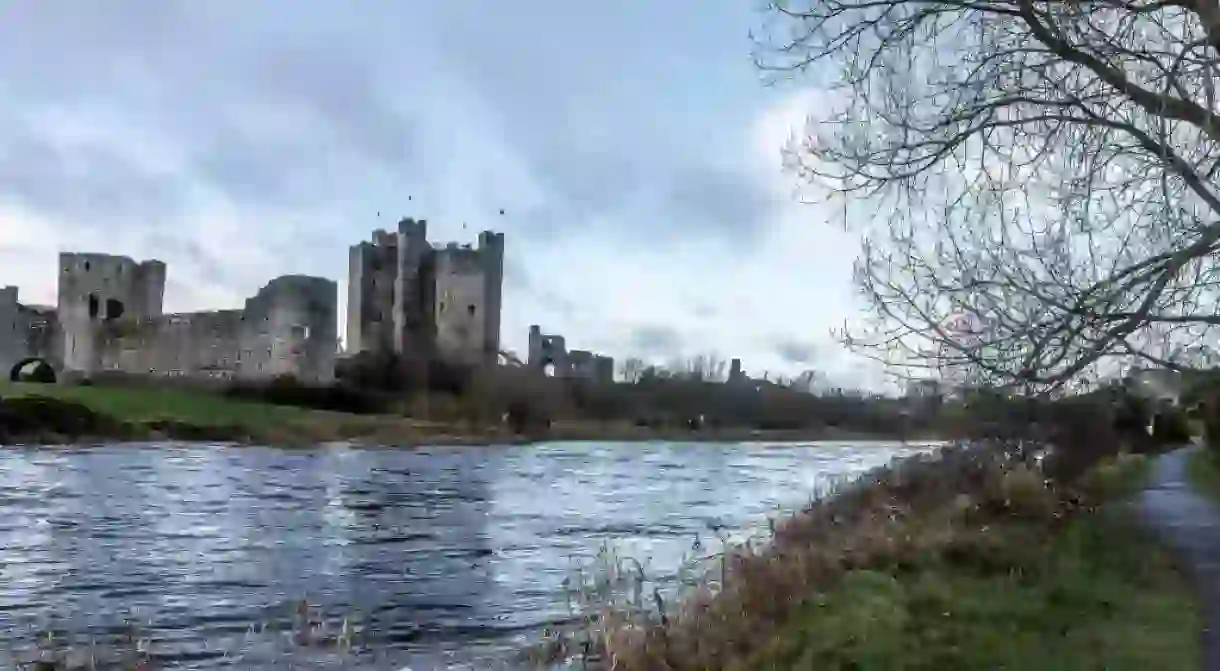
(709,367)
(1036,181)
(631,369)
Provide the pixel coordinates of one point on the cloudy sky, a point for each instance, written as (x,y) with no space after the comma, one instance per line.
(632,145)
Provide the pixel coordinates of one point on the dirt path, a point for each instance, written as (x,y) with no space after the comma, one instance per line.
(1190,524)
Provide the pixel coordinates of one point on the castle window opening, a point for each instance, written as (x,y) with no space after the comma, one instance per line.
(470,309)
(86,265)
(114,308)
(93,305)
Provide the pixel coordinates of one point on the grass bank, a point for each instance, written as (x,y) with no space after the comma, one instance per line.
(1203,472)
(142,412)
(969,562)
(137,413)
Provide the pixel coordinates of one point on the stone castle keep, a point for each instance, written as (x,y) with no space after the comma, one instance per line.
(405,296)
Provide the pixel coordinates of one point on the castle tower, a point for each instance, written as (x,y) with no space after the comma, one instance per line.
(12,335)
(410,298)
(150,277)
(96,288)
(371,276)
(491,251)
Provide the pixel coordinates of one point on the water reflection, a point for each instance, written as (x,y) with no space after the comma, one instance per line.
(440,555)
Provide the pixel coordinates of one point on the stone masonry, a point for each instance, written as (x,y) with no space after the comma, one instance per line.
(109,318)
(412,299)
(551,350)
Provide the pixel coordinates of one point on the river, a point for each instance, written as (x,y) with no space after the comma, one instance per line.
(437,558)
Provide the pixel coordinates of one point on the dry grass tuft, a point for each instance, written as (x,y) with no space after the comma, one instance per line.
(986,509)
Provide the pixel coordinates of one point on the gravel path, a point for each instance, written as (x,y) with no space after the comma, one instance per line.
(1190,524)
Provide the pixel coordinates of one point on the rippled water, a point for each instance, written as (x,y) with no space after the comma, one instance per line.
(442,557)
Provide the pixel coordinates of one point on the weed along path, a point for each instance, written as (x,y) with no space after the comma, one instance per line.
(1190,524)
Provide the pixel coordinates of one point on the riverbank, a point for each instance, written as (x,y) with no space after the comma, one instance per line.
(968,561)
(53,414)
(1203,473)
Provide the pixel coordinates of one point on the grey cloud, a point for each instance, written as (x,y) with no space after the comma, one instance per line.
(143,65)
(719,201)
(655,340)
(186,251)
(651,194)
(795,352)
(584,129)
(518,275)
(86,184)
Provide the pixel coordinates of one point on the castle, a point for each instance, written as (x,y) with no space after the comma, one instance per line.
(404,296)
(109,318)
(408,298)
(550,350)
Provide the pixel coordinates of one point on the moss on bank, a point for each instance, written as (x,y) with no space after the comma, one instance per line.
(968,566)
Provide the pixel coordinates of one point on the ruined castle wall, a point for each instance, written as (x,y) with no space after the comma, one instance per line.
(26,332)
(292,329)
(192,344)
(358,261)
(96,288)
(372,272)
(41,333)
(12,330)
(397,285)
(288,328)
(548,350)
(461,301)
(491,251)
(410,298)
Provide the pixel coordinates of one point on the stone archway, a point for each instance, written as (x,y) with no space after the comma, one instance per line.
(33,369)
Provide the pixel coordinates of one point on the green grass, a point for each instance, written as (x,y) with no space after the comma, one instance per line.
(1203,472)
(140,404)
(1096,593)
(1100,595)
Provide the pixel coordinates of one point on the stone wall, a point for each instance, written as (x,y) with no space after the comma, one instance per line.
(99,288)
(292,326)
(370,297)
(193,344)
(413,327)
(491,252)
(25,332)
(547,350)
(551,350)
(396,287)
(12,331)
(461,301)
(288,328)
(110,319)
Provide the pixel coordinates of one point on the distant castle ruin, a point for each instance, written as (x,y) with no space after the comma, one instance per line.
(109,318)
(406,297)
(548,351)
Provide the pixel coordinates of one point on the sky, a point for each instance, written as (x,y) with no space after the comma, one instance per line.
(633,147)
